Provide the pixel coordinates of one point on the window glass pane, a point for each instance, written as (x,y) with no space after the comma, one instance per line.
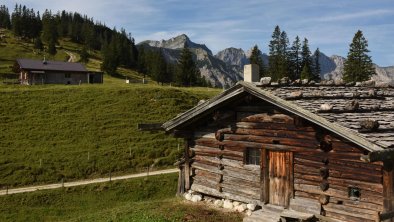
(253,156)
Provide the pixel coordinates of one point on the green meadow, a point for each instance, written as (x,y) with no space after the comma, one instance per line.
(149,199)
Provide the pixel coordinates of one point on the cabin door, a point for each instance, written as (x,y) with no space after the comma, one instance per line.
(280,174)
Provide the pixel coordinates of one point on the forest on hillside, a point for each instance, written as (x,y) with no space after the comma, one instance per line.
(117,47)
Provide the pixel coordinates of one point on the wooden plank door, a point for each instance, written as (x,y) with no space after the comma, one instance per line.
(280,175)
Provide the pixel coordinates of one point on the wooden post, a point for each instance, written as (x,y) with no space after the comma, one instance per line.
(388,188)
(62,182)
(264,176)
(187,165)
(110,176)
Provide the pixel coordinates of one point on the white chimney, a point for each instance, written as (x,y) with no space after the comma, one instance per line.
(251,73)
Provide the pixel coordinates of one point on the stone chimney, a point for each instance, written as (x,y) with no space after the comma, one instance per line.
(251,73)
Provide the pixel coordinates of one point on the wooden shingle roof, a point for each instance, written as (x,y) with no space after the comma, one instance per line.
(348,108)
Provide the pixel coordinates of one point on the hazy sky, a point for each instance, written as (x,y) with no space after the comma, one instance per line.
(329,25)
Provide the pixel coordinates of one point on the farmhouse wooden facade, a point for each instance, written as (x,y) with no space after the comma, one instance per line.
(300,152)
(34,72)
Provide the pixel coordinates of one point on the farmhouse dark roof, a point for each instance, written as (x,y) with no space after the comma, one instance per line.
(31,64)
(347,108)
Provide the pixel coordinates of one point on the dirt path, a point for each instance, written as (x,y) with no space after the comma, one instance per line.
(72,58)
(84,182)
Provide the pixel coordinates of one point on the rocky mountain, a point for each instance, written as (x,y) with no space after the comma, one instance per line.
(226,67)
(332,68)
(218,72)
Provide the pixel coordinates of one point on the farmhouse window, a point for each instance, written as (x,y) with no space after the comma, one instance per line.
(67,75)
(354,193)
(253,156)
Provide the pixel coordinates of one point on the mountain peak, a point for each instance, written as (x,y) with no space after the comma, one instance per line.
(178,42)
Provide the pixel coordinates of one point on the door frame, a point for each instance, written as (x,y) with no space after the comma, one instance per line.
(264,178)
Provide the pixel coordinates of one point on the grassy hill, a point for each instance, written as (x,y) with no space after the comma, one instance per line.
(143,200)
(51,132)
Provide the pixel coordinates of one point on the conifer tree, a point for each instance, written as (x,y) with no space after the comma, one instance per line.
(84,55)
(187,72)
(52,47)
(38,44)
(316,66)
(358,66)
(278,55)
(256,58)
(306,61)
(5,21)
(295,59)
(284,56)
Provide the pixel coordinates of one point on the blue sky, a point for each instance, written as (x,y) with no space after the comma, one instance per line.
(329,25)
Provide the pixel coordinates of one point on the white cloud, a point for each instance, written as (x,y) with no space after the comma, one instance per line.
(356,15)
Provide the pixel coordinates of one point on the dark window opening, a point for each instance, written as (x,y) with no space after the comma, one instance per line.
(354,193)
(253,156)
(67,75)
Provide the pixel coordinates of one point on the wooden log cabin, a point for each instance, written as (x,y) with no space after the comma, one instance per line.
(324,151)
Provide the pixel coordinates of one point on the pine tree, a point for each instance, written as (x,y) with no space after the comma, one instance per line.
(5,21)
(358,66)
(84,55)
(278,55)
(256,58)
(52,47)
(274,54)
(306,61)
(38,44)
(187,72)
(316,66)
(284,56)
(295,60)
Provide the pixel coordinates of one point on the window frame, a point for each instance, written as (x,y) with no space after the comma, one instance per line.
(252,156)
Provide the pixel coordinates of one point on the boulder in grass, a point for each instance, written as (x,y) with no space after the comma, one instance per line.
(218,203)
(188,196)
(196,198)
(251,206)
(241,208)
(304,81)
(228,204)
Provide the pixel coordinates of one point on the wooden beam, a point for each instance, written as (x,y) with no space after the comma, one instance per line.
(388,190)
(382,155)
(187,165)
(150,126)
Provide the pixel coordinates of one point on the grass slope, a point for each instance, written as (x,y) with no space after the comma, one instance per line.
(49,132)
(143,200)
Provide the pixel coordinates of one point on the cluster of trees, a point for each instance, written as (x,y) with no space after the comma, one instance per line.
(185,72)
(118,47)
(297,62)
(294,62)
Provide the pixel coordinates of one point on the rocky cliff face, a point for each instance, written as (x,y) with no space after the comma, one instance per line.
(217,71)
(226,67)
(332,68)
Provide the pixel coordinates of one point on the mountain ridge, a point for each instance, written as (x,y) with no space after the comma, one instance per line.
(225,68)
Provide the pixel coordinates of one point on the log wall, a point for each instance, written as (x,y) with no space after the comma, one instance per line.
(324,166)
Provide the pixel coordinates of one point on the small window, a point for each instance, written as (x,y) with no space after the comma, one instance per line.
(67,75)
(253,156)
(354,193)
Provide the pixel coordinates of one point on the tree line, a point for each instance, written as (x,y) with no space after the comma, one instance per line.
(118,48)
(185,72)
(297,62)
(294,62)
